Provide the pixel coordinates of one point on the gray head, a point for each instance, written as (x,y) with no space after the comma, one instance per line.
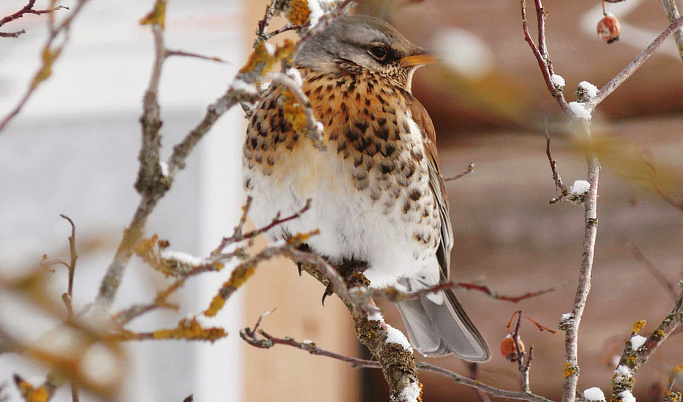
(362,44)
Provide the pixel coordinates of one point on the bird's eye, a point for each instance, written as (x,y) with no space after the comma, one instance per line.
(379,52)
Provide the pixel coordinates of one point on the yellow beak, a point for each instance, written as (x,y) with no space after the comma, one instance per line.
(418,60)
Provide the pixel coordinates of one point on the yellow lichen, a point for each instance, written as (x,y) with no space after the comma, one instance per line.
(568,370)
(638,325)
(216,305)
(191,330)
(239,276)
(264,60)
(660,333)
(157,15)
(293,111)
(678,369)
(299,12)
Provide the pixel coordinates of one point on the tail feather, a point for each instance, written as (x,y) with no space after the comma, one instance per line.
(440,329)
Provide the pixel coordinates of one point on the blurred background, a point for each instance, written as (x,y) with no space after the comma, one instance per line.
(73,150)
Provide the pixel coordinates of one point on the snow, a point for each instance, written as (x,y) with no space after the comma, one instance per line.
(622,371)
(580,187)
(307,342)
(594,394)
(316,11)
(627,396)
(270,48)
(206,322)
(637,341)
(181,257)
(579,110)
(567,316)
(100,365)
(557,81)
(239,85)
(164,168)
(375,315)
(590,89)
(410,393)
(396,336)
(319,126)
(294,74)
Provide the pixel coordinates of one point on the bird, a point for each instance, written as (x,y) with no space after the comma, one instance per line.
(376,193)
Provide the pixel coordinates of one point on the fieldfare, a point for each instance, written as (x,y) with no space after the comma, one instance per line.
(376,193)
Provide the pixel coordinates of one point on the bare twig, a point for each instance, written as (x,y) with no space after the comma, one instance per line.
(250,335)
(652,268)
(27,9)
(638,61)
(495,295)
(50,54)
(168,53)
(672,13)
(541,52)
(470,169)
(559,185)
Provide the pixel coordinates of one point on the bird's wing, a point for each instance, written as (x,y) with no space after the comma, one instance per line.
(423,121)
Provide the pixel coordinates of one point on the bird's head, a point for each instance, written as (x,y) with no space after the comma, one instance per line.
(362,44)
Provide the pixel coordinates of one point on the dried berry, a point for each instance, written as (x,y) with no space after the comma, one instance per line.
(609,28)
(508,349)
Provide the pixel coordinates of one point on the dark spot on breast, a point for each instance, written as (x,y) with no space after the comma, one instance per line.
(382,132)
(270,159)
(382,121)
(318,90)
(388,150)
(369,163)
(417,155)
(382,101)
(406,207)
(360,175)
(258,158)
(364,144)
(414,194)
(386,167)
(341,147)
(342,106)
(367,102)
(362,127)
(409,171)
(406,126)
(253,142)
(357,160)
(351,134)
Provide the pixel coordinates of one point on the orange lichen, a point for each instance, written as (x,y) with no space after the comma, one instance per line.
(299,12)
(31,394)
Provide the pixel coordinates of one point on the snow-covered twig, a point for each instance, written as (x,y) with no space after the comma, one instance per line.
(637,353)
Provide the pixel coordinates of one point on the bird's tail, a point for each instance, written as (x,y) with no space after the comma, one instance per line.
(440,329)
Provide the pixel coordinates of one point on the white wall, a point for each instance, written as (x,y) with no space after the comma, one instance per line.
(73,150)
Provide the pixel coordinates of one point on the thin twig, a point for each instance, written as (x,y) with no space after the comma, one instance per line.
(556,176)
(27,9)
(541,52)
(470,169)
(672,14)
(168,53)
(495,295)
(638,61)
(250,335)
(50,53)
(652,268)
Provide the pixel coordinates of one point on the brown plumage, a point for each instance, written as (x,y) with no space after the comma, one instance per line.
(377,195)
